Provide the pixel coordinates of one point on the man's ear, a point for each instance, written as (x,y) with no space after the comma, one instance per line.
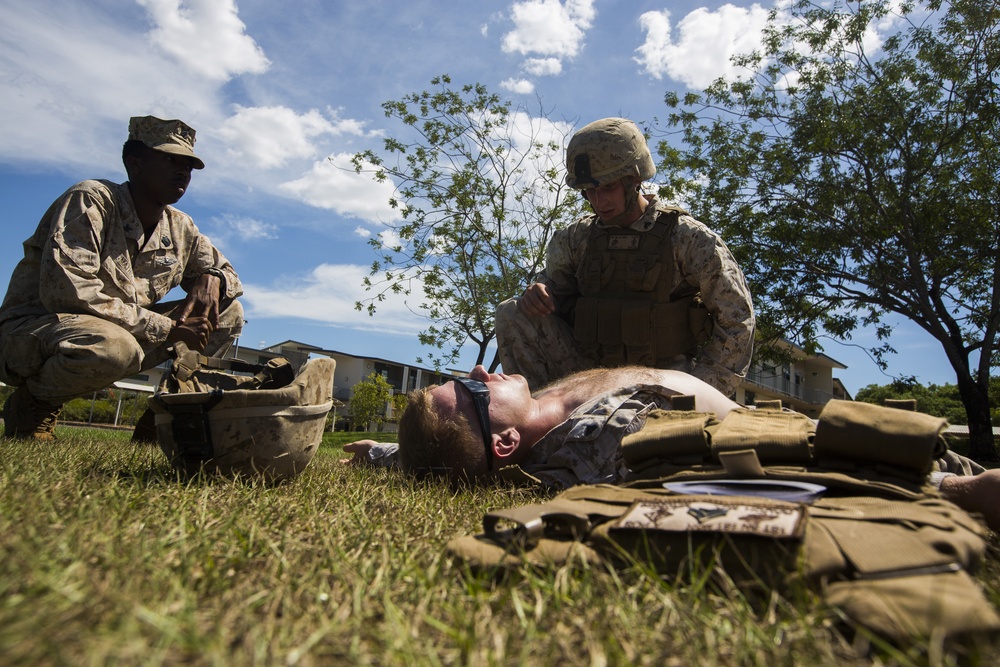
(506,443)
(132,164)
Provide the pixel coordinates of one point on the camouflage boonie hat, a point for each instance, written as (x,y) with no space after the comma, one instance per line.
(167,136)
(605,151)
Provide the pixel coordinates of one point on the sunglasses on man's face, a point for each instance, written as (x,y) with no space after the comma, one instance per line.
(481,400)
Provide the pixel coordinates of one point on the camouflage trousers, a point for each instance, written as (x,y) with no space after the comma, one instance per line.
(60,357)
(543,349)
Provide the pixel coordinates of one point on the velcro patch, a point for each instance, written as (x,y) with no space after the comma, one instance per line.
(623,242)
(767,519)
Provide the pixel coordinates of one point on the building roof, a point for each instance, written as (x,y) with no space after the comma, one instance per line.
(312,349)
(963,430)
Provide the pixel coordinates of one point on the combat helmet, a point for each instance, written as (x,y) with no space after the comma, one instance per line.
(266,425)
(605,151)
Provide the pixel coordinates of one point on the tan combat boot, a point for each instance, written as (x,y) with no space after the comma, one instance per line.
(29,418)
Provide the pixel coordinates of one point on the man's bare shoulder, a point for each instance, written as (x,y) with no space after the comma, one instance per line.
(584,385)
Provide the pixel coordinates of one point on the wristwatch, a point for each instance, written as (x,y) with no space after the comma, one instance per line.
(220,274)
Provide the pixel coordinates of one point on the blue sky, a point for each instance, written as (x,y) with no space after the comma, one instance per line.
(283,93)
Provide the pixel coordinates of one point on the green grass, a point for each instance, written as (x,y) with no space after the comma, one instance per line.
(109,559)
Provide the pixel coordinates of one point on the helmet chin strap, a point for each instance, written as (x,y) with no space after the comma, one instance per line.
(631,203)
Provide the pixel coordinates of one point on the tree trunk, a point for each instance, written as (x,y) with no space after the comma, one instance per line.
(977,409)
(495,362)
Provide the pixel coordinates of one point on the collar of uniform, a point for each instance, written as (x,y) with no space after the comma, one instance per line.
(648,217)
(130,221)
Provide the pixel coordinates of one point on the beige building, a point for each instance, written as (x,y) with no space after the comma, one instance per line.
(805,384)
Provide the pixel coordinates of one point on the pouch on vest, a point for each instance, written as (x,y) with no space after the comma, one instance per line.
(878,543)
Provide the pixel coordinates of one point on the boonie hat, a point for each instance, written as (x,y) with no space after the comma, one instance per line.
(167,136)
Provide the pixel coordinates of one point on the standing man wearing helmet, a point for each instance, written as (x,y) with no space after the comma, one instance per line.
(83,309)
(637,282)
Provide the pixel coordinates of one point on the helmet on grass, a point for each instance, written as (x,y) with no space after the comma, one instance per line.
(268,425)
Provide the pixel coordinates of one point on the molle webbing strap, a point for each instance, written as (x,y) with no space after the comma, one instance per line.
(185,363)
(636,335)
(276,373)
(683,402)
(609,331)
(742,464)
(520,526)
(672,323)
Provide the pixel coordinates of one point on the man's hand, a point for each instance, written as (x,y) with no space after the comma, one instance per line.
(536,301)
(976,493)
(202,301)
(193,332)
(360,449)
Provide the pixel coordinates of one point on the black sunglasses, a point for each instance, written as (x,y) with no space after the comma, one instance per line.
(481,399)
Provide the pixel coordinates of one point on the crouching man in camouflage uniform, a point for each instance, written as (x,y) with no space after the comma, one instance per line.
(83,308)
(637,282)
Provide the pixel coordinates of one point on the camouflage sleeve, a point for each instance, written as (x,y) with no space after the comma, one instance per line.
(205,256)
(74,277)
(384,455)
(704,262)
(563,256)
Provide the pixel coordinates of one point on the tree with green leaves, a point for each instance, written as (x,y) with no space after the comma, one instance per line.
(368,401)
(479,193)
(854,170)
(938,400)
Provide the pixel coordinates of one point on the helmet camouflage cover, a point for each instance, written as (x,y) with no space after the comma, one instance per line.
(605,151)
(268,425)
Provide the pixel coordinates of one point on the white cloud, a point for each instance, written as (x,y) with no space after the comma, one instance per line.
(549,27)
(519,86)
(66,82)
(207,36)
(333,184)
(269,137)
(227,228)
(390,239)
(362,232)
(714,36)
(542,66)
(327,294)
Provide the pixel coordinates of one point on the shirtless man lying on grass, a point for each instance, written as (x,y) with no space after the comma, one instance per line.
(570,432)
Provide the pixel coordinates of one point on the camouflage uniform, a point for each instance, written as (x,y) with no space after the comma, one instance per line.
(586,448)
(81,310)
(544,349)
